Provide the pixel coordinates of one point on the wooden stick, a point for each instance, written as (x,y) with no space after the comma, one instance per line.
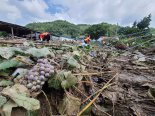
(50,109)
(78,90)
(85,74)
(90,103)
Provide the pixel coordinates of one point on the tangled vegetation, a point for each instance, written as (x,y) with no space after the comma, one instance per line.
(66,79)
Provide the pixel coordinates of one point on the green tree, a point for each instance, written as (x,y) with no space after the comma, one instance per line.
(95,31)
(103,29)
(134,24)
(141,28)
(128,30)
(144,23)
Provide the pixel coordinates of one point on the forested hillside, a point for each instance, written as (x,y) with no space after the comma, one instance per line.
(59,27)
(65,28)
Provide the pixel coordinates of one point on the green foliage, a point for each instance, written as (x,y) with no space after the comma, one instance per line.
(138,33)
(4,73)
(8,52)
(152,31)
(83,27)
(2,100)
(128,30)
(13,62)
(144,23)
(134,24)
(59,27)
(73,63)
(38,52)
(76,54)
(9,63)
(69,81)
(3,34)
(4,83)
(103,29)
(64,28)
(32,113)
(62,79)
(18,97)
(55,80)
(141,28)
(18,93)
(95,31)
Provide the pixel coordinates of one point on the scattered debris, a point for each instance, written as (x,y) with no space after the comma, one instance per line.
(65,79)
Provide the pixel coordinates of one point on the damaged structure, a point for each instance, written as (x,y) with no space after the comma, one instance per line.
(15,30)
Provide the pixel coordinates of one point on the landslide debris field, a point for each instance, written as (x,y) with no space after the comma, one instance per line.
(64,79)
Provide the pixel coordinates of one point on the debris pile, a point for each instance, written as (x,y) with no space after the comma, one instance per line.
(69,80)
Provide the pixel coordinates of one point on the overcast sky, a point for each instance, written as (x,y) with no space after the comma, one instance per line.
(125,12)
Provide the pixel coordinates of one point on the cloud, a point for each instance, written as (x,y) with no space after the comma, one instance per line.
(93,11)
(9,12)
(124,12)
(25,11)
